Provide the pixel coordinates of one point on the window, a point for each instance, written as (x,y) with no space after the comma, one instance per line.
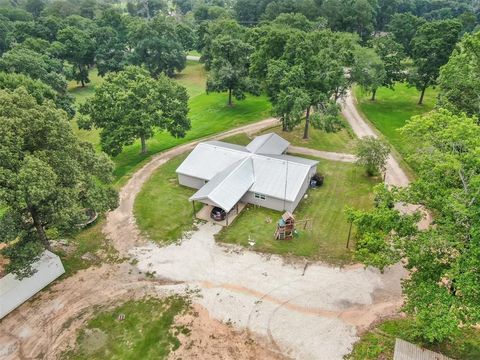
(259,196)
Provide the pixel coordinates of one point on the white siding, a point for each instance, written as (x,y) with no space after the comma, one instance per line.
(190,181)
(269,202)
(303,189)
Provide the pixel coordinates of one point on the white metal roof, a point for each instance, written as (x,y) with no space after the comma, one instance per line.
(231,170)
(208,159)
(14,292)
(227,187)
(268,144)
(408,351)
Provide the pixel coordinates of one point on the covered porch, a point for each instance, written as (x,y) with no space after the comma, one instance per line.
(204,213)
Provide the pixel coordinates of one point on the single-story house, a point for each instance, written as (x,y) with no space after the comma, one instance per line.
(260,173)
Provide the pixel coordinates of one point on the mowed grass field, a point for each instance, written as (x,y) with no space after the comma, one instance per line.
(148,331)
(162,209)
(209,114)
(392,108)
(342,141)
(345,185)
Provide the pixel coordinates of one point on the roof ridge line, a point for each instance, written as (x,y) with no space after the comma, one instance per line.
(231,172)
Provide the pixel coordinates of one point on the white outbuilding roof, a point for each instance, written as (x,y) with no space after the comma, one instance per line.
(232,170)
(268,144)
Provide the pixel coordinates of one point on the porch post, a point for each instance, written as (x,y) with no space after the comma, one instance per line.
(193,207)
(226,219)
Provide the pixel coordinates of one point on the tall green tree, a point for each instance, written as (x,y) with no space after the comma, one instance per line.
(208,32)
(442,291)
(47,177)
(131,105)
(386,9)
(311,64)
(404,27)
(77,47)
(156,45)
(35,7)
(432,45)
(229,70)
(459,78)
(43,67)
(183,5)
(5,28)
(111,53)
(392,55)
(146,8)
(368,70)
(319,55)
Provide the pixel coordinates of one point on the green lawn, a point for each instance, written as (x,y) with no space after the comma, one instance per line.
(209,115)
(379,342)
(392,108)
(162,209)
(193,77)
(345,184)
(194,53)
(342,141)
(147,332)
(83,93)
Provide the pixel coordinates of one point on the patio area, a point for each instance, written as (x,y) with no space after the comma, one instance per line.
(204,214)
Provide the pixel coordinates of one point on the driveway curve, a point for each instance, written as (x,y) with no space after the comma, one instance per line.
(395,175)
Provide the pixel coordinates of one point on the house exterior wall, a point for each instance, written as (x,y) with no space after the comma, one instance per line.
(303,189)
(190,181)
(269,202)
(249,197)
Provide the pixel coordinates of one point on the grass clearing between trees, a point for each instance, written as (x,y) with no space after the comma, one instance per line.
(342,141)
(391,109)
(147,332)
(379,342)
(209,115)
(162,209)
(345,184)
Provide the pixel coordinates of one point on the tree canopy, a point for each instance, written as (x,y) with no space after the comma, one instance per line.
(157,46)
(442,290)
(47,177)
(459,78)
(229,69)
(131,105)
(431,47)
(368,70)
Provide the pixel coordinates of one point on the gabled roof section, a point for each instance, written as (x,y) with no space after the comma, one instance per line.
(268,144)
(227,187)
(295,159)
(231,170)
(209,158)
